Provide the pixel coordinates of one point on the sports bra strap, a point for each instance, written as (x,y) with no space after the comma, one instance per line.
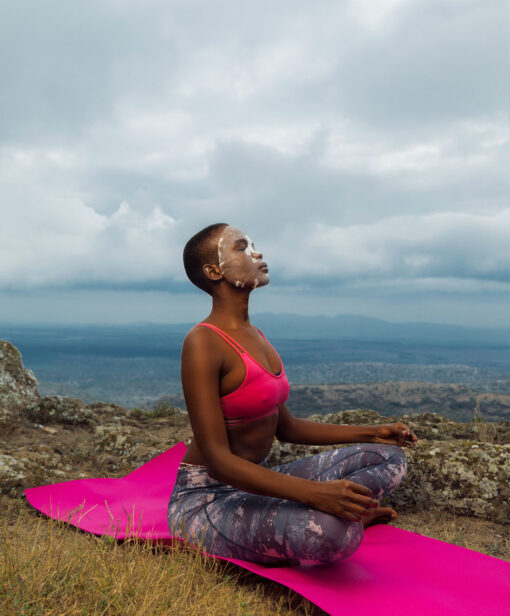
(235,345)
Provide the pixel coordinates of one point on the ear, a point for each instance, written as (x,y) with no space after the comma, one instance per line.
(212,272)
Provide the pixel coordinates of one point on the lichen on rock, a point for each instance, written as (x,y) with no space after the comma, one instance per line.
(465,477)
(116,439)
(58,409)
(12,473)
(18,386)
(431,426)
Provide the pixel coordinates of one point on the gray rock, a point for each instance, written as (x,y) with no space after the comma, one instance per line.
(433,426)
(357,416)
(7,419)
(28,467)
(12,473)
(430,426)
(58,409)
(18,386)
(116,439)
(107,409)
(465,477)
(281,453)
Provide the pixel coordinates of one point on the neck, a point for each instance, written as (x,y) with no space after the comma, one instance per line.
(231,309)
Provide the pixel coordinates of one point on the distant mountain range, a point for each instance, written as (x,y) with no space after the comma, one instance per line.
(355,327)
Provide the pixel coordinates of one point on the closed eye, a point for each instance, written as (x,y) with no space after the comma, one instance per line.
(241,244)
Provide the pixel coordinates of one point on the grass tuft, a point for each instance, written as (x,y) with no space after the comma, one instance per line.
(487,431)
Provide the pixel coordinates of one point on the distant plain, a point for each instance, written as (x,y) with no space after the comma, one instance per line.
(136,365)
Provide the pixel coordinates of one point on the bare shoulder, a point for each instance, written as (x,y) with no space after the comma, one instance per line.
(199,342)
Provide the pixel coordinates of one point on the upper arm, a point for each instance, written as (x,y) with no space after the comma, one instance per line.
(201,365)
(285,426)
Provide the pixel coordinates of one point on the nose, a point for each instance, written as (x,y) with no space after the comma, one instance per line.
(256,254)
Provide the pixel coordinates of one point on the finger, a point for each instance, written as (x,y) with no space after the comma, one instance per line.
(360,489)
(356,509)
(349,516)
(363,501)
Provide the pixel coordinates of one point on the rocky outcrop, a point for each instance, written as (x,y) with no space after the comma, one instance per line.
(12,473)
(18,386)
(467,477)
(7,420)
(58,439)
(430,426)
(57,409)
(117,440)
(29,466)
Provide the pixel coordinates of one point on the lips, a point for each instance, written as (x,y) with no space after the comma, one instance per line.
(263,267)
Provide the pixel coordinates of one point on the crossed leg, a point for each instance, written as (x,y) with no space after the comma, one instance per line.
(230,522)
(378,467)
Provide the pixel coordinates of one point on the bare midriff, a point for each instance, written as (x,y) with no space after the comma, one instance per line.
(251,441)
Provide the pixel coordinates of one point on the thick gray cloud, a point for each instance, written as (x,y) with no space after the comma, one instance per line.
(363,145)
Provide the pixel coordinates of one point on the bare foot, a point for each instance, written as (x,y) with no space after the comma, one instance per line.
(379,515)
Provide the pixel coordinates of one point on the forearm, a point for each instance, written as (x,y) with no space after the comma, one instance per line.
(251,477)
(317,433)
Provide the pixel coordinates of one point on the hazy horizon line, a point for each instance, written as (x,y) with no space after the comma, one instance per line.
(12,323)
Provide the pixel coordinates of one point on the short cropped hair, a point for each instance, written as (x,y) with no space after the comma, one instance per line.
(200,250)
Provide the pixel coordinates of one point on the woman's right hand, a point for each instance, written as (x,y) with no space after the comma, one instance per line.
(341,497)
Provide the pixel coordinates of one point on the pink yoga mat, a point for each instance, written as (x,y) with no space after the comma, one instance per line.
(393,572)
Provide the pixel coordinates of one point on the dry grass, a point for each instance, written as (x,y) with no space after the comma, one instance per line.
(474,533)
(487,431)
(50,568)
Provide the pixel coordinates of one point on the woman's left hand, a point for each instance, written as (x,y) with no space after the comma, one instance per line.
(395,434)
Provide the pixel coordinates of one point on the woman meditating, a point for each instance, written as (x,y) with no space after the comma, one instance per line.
(225,498)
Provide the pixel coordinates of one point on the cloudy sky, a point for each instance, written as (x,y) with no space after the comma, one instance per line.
(362,145)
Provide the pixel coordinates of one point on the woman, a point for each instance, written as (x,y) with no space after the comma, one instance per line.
(225,497)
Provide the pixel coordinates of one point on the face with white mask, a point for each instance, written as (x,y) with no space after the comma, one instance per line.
(240,263)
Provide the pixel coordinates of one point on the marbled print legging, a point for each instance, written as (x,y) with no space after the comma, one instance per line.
(226,521)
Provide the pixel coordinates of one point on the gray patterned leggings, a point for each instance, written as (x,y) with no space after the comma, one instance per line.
(226,521)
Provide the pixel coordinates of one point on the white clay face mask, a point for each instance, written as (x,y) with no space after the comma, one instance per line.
(239,261)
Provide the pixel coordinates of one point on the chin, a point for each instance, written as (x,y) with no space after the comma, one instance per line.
(261,283)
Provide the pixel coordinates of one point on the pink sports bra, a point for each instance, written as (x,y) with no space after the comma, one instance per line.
(261,392)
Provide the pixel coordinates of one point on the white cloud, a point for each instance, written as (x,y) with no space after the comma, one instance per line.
(66,242)
(374,15)
(379,127)
(434,247)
